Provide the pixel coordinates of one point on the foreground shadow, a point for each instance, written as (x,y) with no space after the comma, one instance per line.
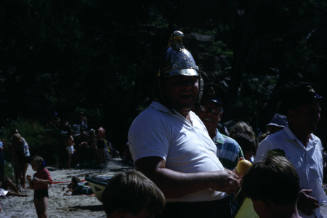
(91,207)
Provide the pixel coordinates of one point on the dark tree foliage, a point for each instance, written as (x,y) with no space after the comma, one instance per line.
(62,56)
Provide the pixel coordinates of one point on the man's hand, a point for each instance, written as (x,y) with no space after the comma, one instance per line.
(227,181)
(306,203)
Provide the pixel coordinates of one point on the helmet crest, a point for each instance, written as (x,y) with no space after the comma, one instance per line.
(178,60)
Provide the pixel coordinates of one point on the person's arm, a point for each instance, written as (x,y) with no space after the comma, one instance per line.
(306,203)
(176,184)
(41,181)
(45,180)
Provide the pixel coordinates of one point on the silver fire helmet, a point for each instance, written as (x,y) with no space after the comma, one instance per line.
(178,60)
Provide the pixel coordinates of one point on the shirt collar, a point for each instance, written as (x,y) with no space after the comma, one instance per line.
(160,107)
(295,139)
(219,137)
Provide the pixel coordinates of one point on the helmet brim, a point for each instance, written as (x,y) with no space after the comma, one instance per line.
(182,72)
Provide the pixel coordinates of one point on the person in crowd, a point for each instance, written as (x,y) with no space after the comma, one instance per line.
(65,127)
(18,159)
(170,144)
(77,187)
(278,122)
(102,146)
(92,141)
(40,184)
(27,157)
(301,105)
(243,133)
(273,186)
(242,126)
(2,163)
(248,145)
(83,121)
(70,150)
(132,194)
(84,152)
(229,151)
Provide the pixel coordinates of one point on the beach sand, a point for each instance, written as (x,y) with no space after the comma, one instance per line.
(65,206)
(59,205)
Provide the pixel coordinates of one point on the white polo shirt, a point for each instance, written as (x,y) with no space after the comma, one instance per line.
(308,161)
(186,146)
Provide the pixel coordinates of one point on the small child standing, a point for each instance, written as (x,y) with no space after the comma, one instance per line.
(40,184)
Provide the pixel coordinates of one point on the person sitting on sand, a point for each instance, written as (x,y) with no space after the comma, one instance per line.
(77,187)
(40,184)
(132,194)
(11,188)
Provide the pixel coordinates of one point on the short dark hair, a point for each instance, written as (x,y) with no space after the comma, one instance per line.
(131,191)
(39,160)
(242,127)
(295,94)
(273,180)
(247,143)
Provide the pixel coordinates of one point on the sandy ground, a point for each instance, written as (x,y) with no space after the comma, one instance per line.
(65,206)
(59,205)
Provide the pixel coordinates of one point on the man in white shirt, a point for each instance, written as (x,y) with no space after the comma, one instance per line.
(300,146)
(170,144)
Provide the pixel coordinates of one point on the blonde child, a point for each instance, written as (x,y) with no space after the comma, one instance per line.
(40,184)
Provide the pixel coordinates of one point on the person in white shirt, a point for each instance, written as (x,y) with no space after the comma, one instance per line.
(301,147)
(171,145)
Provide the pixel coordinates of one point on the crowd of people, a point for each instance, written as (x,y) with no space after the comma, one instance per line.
(192,162)
(78,146)
(81,146)
(185,164)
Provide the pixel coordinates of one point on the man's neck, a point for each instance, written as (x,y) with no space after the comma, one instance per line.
(301,134)
(184,111)
(212,133)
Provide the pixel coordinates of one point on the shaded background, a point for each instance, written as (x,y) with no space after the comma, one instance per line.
(101,58)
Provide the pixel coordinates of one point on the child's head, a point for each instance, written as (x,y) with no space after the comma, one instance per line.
(37,163)
(133,194)
(272,185)
(242,127)
(75,181)
(247,143)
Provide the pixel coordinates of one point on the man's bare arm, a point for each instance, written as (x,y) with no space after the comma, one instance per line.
(176,184)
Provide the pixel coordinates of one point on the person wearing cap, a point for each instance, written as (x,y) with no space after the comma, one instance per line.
(301,105)
(169,143)
(278,122)
(229,151)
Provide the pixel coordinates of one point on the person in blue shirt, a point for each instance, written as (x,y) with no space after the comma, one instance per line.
(228,150)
